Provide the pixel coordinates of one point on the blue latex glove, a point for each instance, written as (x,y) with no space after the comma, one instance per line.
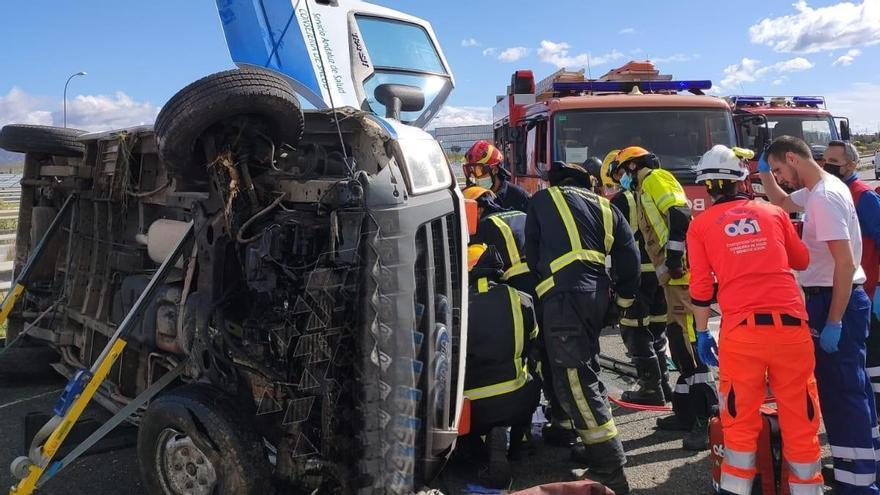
(830,336)
(877,303)
(763,166)
(707,348)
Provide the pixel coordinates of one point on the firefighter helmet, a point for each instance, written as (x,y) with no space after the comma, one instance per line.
(483,153)
(607,179)
(476,192)
(633,153)
(475,252)
(723,163)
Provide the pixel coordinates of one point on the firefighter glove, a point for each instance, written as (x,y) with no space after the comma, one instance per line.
(830,336)
(707,348)
(763,166)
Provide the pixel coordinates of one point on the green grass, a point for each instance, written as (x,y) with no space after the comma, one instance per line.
(6,205)
(8,224)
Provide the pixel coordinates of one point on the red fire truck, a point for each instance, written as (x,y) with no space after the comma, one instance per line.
(569,118)
(762,118)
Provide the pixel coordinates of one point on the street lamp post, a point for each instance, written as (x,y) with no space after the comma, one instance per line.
(80,73)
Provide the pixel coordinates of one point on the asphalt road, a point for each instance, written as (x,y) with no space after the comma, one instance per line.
(657,464)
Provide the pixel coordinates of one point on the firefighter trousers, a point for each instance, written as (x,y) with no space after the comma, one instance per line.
(749,357)
(643,330)
(846,396)
(694,393)
(572,323)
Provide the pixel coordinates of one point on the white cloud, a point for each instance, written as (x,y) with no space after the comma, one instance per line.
(488,52)
(750,70)
(838,26)
(628,30)
(558,55)
(513,54)
(469,42)
(87,112)
(450,116)
(859,102)
(780,81)
(678,57)
(18,107)
(847,59)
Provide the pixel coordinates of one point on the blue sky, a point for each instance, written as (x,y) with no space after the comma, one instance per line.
(138,54)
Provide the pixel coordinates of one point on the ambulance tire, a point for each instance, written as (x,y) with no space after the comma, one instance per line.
(196,436)
(236,101)
(60,141)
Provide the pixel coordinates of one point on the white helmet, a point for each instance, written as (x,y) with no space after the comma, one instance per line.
(724,163)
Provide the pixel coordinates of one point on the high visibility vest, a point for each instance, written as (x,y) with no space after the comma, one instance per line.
(633,221)
(518,266)
(521,374)
(660,184)
(577,251)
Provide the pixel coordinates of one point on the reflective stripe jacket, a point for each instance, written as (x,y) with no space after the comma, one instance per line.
(625,201)
(512,197)
(501,327)
(751,248)
(569,232)
(507,232)
(658,193)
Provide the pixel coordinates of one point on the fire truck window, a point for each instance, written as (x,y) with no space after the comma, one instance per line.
(815,130)
(678,137)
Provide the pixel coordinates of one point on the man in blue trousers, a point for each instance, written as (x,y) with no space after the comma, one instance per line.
(838,307)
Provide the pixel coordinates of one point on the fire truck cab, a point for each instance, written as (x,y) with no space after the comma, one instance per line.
(760,119)
(569,118)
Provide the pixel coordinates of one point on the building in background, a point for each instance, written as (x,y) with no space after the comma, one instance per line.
(455,141)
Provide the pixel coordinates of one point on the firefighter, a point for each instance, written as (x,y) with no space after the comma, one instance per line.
(505,230)
(483,168)
(664,217)
(838,307)
(643,327)
(569,232)
(593,166)
(764,332)
(502,391)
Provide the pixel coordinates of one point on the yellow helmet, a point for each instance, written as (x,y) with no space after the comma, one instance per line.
(475,252)
(607,181)
(476,192)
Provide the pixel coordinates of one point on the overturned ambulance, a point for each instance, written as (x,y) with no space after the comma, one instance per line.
(318,306)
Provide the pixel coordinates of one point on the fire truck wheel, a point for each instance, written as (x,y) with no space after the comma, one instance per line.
(196,440)
(241,99)
(21,138)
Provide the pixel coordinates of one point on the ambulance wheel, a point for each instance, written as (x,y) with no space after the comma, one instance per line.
(195,440)
(243,105)
(22,138)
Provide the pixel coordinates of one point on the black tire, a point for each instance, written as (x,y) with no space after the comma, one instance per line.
(217,428)
(22,138)
(239,92)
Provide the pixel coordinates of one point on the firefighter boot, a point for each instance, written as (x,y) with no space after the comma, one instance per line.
(499,468)
(664,377)
(559,433)
(698,438)
(650,391)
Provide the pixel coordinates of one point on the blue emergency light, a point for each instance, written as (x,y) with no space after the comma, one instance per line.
(622,86)
(808,101)
(748,100)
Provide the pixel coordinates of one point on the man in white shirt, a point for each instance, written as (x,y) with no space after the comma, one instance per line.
(838,308)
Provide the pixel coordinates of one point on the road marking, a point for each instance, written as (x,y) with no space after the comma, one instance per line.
(19,401)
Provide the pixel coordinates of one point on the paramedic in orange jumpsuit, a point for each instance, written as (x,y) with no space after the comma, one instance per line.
(751,248)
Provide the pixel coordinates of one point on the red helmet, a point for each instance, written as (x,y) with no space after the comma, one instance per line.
(483,153)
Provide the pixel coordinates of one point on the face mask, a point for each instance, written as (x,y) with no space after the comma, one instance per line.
(485,182)
(626,182)
(833,170)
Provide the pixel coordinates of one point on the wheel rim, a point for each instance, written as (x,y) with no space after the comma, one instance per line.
(183,467)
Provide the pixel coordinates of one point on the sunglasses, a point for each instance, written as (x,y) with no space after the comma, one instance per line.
(476,170)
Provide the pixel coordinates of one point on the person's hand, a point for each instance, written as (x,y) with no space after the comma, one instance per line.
(830,336)
(676,272)
(763,166)
(877,304)
(707,348)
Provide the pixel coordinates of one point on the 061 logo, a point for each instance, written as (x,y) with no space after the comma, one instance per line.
(743,226)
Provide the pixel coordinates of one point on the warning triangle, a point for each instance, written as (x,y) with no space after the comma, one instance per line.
(315,323)
(298,410)
(301,307)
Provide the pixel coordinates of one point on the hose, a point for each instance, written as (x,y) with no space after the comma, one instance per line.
(238,237)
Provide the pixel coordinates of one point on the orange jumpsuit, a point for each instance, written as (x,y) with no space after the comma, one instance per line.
(750,247)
